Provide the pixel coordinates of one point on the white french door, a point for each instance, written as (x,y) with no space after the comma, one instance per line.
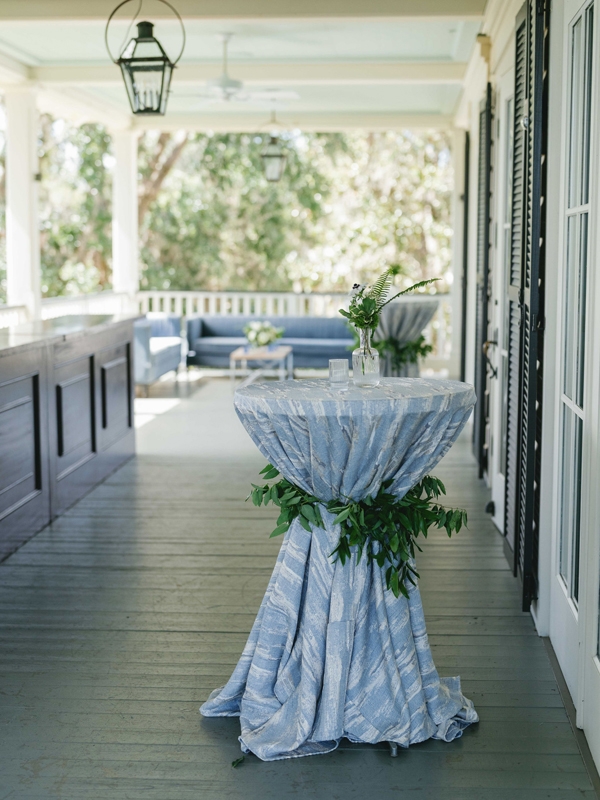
(498,354)
(574,605)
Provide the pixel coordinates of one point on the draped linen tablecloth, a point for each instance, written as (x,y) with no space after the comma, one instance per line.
(404,320)
(332,652)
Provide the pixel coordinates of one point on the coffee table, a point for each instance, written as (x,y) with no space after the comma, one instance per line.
(279,358)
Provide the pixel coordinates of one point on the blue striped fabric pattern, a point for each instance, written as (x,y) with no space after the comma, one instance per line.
(332,652)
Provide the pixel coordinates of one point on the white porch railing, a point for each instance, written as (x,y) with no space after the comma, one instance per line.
(100,303)
(256,304)
(12,315)
(249,304)
(290,304)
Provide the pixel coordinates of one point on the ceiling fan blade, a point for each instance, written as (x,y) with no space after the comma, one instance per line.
(273,94)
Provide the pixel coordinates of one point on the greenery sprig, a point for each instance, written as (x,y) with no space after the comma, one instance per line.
(382,528)
(368,301)
(403,353)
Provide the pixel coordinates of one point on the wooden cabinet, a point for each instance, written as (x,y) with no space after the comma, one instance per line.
(66,416)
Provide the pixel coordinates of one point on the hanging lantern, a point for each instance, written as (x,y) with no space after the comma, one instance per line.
(274,158)
(146,68)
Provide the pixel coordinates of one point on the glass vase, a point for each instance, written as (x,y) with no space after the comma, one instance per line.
(365,361)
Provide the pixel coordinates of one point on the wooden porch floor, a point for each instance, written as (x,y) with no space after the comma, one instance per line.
(117,621)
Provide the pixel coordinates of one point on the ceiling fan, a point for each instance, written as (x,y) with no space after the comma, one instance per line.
(226,89)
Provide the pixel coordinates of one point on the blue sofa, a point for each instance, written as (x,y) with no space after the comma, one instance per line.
(156,347)
(314,339)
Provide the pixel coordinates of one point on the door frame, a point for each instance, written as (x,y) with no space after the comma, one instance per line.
(505,87)
(574,629)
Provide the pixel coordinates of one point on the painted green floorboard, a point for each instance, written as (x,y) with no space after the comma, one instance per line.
(117,621)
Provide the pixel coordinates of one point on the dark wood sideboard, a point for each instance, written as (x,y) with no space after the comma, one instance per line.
(66,416)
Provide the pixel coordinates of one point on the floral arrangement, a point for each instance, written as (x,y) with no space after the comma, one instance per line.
(262,334)
(368,300)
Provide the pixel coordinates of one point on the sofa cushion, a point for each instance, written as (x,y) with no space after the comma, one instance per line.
(218,345)
(295,327)
(214,351)
(321,346)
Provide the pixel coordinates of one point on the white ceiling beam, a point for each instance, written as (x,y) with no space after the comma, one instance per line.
(12,71)
(268,74)
(252,9)
(79,108)
(322,122)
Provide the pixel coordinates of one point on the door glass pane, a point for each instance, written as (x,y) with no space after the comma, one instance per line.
(576,117)
(570,320)
(570,501)
(587,88)
(581,278)
(574,307)
(581,52)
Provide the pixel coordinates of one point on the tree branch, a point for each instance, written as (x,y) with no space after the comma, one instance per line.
(158,175)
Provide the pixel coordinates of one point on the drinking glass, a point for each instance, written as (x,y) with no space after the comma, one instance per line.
(338,373)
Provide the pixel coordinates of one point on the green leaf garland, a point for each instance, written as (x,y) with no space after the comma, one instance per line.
(381,528)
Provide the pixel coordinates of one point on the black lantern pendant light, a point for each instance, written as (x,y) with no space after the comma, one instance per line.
(273,156)
(146,68)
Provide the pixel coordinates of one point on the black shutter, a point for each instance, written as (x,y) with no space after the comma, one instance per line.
(526,283)
(483,283)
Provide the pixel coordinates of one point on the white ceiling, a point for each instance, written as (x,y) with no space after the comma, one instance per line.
(420,64)
(82,42)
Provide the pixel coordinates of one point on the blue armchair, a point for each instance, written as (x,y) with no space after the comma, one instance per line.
(156,347)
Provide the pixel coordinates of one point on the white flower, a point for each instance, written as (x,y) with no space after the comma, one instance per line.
(262,333)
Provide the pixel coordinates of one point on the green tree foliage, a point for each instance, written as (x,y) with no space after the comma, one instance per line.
(75,207)
(216,223)
(348,206)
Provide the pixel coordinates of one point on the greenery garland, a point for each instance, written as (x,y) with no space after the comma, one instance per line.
(382,528)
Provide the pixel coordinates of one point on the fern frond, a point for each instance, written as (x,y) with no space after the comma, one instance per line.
(382,285)
(412,288)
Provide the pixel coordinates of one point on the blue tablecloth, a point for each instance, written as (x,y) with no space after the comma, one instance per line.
(404,320)
(332,652)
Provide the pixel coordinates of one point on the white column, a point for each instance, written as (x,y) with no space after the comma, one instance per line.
(458,222)
(22,217)
(125,270)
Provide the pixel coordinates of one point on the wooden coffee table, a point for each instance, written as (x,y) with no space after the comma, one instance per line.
(279,359)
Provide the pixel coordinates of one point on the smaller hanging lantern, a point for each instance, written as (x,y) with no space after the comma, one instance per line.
(274,158)
(146,68)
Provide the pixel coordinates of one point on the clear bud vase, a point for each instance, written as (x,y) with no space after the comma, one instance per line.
(365,361)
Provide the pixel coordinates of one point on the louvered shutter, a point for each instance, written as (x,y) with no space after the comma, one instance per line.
(526,281)
(481,413)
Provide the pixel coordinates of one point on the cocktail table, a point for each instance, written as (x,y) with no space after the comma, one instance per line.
(333,653)
(266,358)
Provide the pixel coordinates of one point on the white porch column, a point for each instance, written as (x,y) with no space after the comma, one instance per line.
(125,270)
(22,217)
(458,223)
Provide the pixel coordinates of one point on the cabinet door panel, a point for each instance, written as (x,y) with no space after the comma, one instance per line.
(115,393)
(74,414)
(19,443)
